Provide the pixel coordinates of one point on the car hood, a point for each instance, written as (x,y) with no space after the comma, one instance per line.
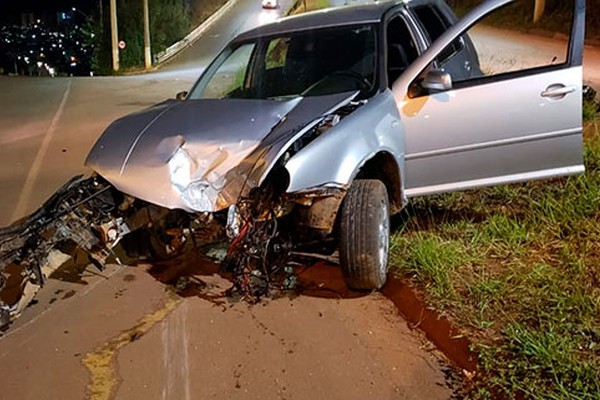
(159,154)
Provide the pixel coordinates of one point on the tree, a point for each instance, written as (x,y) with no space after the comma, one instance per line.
(170,21)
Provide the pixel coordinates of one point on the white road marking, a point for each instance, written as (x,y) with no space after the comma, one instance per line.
(175,341)
(39,159)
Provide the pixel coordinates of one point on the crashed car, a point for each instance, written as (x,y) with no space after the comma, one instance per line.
(314,130)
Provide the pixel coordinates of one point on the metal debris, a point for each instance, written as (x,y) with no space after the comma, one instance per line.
(257,256)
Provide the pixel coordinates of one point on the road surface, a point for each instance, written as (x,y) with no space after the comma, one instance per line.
(125,331)
(243,15)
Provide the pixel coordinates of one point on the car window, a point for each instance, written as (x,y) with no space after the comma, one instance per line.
(504,52)
(435,23)
(230,76)
(307,63)
(401,48)
(277,52)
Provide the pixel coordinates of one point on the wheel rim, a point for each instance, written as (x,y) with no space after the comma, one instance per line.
(384,232)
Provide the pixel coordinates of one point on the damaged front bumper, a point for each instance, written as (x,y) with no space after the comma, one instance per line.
(260,232)
(81,212)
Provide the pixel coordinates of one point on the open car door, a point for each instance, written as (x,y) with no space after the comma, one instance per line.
(517,118)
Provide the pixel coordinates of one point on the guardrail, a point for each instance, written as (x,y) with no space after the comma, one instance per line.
(175,48)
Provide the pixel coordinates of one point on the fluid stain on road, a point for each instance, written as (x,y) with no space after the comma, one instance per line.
(101,362)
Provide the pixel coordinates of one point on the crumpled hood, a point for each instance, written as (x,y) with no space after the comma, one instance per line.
(155,154)
(152,136)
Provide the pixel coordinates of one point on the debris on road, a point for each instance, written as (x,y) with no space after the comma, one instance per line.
(252,239)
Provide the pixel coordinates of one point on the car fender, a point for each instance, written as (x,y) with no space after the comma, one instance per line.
(336,157)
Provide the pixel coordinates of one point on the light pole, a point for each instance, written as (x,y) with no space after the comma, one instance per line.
(114,34)
(147,53)
(538,10)
(101,16)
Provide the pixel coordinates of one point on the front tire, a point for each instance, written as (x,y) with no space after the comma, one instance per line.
(364,235)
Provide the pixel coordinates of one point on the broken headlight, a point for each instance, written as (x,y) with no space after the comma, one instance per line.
(198,195)
(201,196)
(181,168)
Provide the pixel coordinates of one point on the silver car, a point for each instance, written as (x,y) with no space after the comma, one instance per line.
(343,115)
(311,131)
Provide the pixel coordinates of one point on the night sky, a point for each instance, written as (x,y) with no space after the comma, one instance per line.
(15,8)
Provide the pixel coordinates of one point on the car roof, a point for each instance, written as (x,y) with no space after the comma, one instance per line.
(330,17)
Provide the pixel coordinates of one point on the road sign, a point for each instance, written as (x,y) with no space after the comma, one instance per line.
(122,44)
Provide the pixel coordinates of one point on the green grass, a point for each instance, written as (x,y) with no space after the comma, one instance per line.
(590,108)
(517,267)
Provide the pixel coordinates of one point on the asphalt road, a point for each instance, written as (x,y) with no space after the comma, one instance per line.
(242,16)
(124,330)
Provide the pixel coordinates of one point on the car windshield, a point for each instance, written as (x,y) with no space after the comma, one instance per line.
(309,63)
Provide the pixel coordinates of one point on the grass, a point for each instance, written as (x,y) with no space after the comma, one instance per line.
(517,267)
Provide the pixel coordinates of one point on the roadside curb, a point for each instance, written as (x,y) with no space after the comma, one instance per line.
(446,337)
(194,35)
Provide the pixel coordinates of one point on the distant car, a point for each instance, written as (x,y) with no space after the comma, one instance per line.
(270,4)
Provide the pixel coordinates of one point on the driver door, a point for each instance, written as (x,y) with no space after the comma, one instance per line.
(518,119)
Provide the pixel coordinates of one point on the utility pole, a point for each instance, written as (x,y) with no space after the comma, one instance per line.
(101,17)
(538,10)
(114,34)
(147,53)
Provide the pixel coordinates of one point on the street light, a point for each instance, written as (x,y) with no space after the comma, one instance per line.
(76,10)
(86,16)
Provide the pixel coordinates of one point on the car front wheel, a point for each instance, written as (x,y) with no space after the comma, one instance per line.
(364,235)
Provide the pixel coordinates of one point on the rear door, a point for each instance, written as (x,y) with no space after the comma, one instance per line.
(520,120)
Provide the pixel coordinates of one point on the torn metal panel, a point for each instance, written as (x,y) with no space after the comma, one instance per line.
(309,113)
(76,213)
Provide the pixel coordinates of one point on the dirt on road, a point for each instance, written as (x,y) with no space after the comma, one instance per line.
(167,332)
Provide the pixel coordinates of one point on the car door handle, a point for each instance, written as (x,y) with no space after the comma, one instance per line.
(558,91)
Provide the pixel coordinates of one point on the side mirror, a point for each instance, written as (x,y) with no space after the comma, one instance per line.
(437,80)
(181,95)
